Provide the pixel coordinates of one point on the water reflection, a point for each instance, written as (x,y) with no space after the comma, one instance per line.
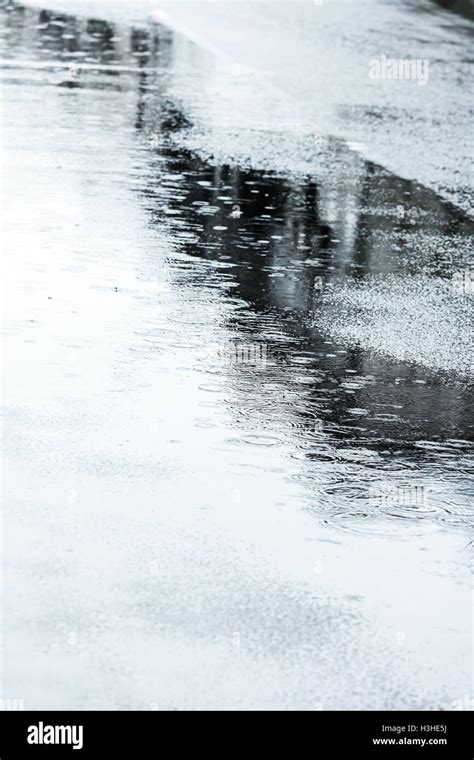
(329,402)
(196,475)
(281,249)
(61,37)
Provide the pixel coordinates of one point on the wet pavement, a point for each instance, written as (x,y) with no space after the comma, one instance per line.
(237,448)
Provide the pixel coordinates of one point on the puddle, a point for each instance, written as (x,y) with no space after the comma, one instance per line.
(244,384)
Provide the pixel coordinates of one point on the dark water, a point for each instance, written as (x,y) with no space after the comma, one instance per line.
(276,261)
(256,323)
